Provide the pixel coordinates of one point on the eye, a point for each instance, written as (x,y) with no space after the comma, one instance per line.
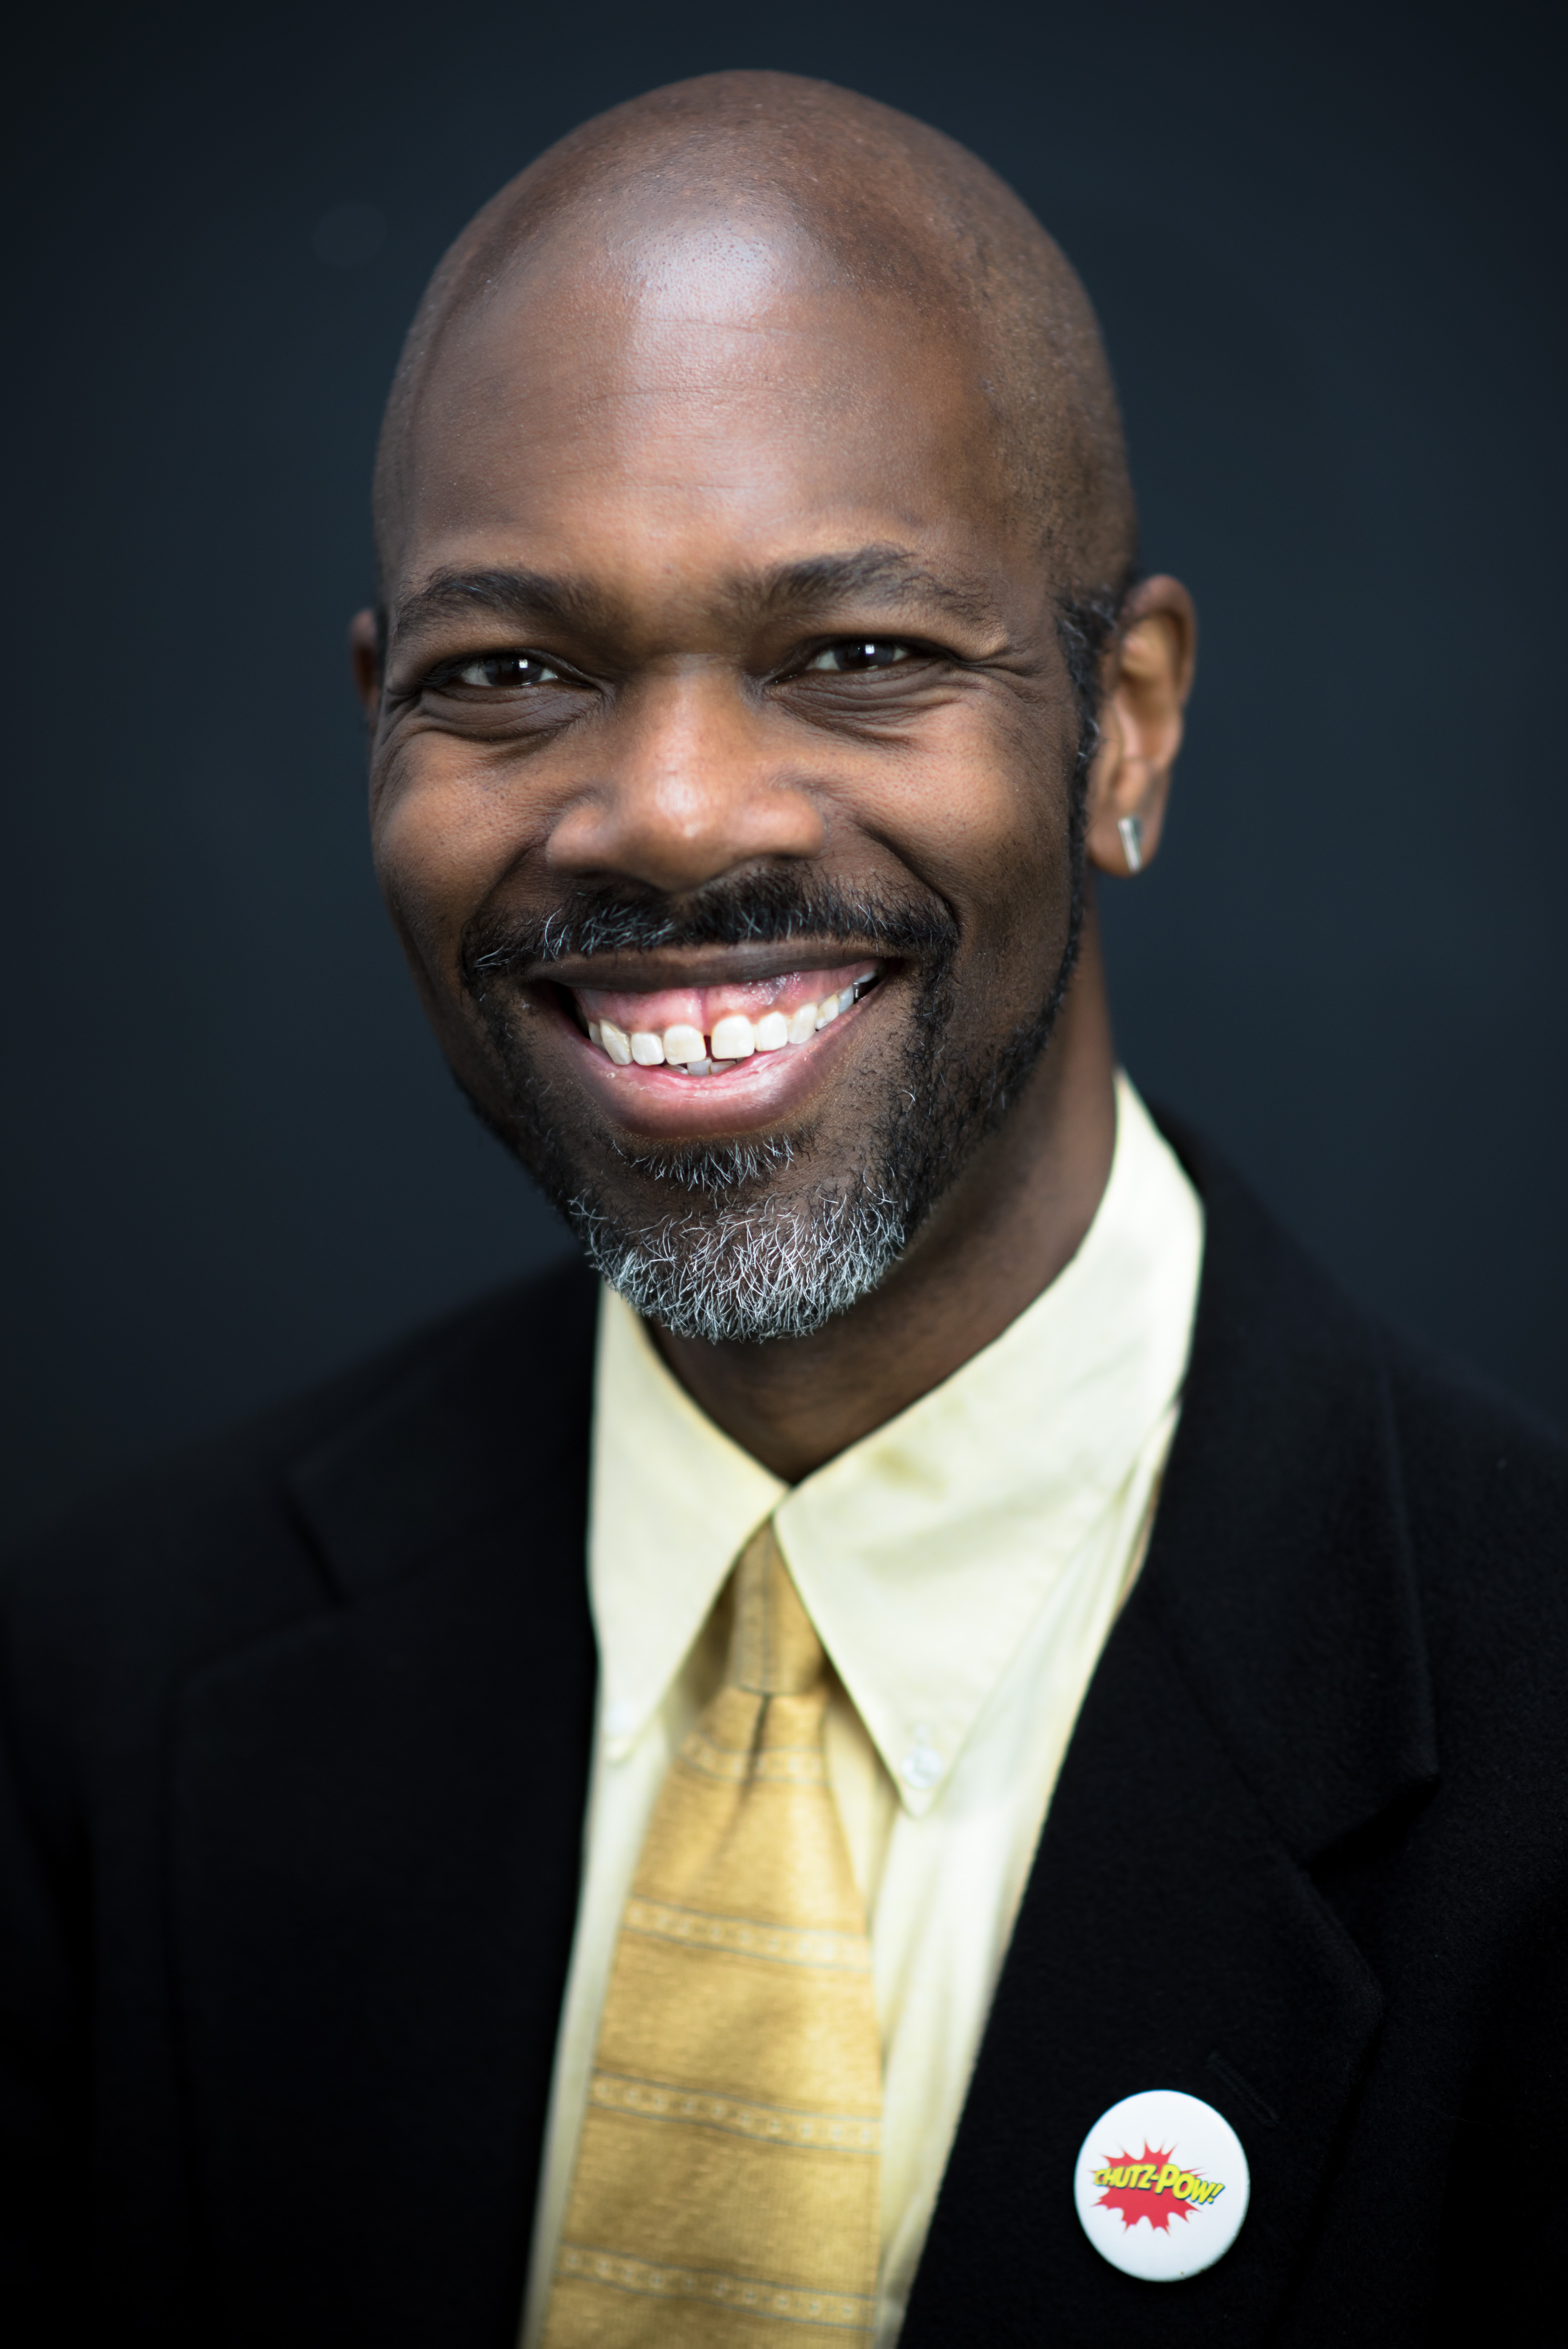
(505,672)
(855,654)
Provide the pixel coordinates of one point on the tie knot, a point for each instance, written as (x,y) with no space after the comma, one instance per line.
(774,1650)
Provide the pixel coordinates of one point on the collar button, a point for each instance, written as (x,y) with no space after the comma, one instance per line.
(923,1766)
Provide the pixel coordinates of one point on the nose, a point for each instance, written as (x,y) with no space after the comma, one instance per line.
(690,781)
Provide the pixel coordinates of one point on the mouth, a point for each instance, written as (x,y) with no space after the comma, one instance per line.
(688,1043)
(705,1032)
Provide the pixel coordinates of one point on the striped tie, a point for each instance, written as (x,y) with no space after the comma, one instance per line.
(726,2188)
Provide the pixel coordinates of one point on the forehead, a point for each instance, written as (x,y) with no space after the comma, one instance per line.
(723,397)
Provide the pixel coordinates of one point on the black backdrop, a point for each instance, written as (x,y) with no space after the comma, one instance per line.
(1324,244)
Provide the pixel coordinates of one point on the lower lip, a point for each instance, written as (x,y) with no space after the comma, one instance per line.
(751,1095)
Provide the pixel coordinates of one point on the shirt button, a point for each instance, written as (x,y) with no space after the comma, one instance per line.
(922,1766)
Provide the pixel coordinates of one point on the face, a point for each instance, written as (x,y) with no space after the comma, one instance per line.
(723,768)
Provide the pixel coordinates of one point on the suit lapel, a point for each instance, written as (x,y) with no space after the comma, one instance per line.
(1264,1698)
(377,1831)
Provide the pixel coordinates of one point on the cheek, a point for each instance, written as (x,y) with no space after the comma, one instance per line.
(981,814)
(445,834)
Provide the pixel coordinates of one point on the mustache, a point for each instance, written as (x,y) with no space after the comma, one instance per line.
(750,909)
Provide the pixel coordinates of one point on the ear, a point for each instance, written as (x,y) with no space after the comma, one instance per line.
(1149,676)
(364,656)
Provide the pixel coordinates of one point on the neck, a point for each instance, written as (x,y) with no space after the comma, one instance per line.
(1017,1215)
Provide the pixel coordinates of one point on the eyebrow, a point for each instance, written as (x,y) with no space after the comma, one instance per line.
(798,591)
(529,595)
(878,574)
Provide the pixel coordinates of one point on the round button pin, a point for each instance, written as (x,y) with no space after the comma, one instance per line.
(1161,2186)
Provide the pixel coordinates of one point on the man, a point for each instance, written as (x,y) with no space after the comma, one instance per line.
(955,1733)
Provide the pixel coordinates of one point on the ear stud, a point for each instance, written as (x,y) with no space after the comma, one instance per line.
(1130,827)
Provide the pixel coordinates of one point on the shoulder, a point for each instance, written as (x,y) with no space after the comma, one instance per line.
(213,1545)
(1485,1470)
(1402,1508)
(1485,1489)
(1480,1472)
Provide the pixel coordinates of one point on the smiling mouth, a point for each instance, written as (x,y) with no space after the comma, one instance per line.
(705,1032)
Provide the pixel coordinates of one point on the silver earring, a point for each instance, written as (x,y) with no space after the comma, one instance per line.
(1130,827)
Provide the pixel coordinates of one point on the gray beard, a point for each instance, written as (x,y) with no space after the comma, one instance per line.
(778,1268)
(747,1259)
(739,1254)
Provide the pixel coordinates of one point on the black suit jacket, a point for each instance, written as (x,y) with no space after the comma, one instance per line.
(295,1746)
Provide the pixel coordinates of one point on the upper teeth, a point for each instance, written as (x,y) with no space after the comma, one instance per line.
(735,1037)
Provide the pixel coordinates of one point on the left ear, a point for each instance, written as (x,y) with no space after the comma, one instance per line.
(364,661)
(1149,676)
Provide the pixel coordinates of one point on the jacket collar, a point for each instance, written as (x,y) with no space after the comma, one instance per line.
(1280,1575)
(489,1412)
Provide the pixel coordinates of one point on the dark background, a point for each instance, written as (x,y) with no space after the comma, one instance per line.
(1326,245)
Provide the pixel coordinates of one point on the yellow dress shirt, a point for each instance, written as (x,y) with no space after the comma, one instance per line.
(963,1566)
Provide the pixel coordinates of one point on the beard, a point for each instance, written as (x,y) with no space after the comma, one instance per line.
(740,1242)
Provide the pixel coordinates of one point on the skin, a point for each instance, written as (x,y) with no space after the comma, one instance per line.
(668,429)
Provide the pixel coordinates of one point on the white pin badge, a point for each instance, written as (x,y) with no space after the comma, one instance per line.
(1161,2186)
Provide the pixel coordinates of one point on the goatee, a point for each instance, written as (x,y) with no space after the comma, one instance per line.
(740,1252)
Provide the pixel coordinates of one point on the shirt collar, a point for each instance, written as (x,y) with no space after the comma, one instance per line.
(924,1552)
(672,1500)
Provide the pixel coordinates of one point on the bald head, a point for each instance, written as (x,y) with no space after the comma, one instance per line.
(741,183)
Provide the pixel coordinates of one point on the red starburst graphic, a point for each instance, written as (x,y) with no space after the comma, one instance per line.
(1158,2188)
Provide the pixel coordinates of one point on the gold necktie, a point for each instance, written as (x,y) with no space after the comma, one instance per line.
(728,2182)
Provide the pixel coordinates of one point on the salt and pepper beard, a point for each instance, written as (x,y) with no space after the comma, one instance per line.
(738,1254)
